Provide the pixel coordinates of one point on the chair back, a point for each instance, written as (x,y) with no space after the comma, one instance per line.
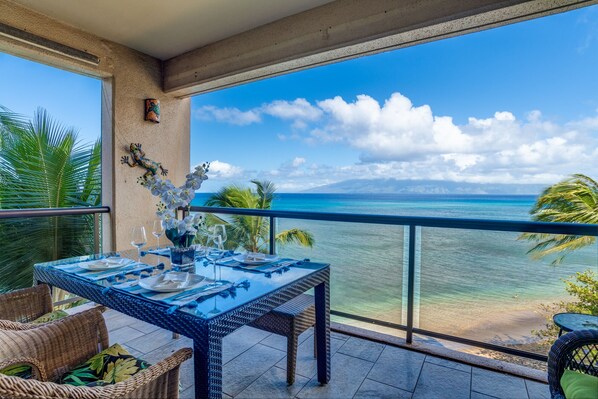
(576,350)
(60,345)
(25,305)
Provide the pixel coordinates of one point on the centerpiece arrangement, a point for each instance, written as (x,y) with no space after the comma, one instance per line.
(180,231)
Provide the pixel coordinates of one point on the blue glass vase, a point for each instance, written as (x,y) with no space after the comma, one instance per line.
(183,258)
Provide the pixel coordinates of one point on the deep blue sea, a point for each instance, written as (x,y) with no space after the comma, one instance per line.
(464,278)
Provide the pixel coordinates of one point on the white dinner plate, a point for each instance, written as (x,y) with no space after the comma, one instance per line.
(106,264)
(255,259)
(171,282)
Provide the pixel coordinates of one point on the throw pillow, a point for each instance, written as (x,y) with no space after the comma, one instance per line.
(578,385)
(48,317)
(18,370)
(110,366)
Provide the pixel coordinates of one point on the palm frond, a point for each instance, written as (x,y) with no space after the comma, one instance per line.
(574,200)
(252,232)
(42,166)
(296,236)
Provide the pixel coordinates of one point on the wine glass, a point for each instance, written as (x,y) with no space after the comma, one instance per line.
(214,251)
(214,248)
(158,230)
(138,240)
(219,230)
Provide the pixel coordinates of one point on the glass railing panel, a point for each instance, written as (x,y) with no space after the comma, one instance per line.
(483,285)
(26,241)
(366,265)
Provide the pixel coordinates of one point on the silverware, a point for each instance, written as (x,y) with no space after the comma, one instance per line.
(196,291)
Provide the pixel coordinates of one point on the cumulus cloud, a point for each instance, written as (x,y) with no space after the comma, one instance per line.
(299,111)
(224,170)
(233,116)
(398,139)
(298,161)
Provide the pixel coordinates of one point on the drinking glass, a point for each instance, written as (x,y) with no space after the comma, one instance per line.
(138,239)
(214,248)
(219,230)
(158,230)
(214,251)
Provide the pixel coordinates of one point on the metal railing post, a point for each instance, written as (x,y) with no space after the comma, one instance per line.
(96,233)
(272,235)
(410,284)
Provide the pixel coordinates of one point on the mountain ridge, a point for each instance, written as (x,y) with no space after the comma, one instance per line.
(395,186)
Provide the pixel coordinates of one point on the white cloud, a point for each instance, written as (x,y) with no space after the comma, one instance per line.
(397,139)
(395,130)
(233,116)
(298,161)
(299,110)
(223,170)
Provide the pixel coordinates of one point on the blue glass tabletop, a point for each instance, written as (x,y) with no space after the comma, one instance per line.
(575,321)
(244,286)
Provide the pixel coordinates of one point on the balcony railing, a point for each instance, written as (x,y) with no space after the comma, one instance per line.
(54,212)
(412,226)
(64,232)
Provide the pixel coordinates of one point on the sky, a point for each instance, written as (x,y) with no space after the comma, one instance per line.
(73,100)
(515,104)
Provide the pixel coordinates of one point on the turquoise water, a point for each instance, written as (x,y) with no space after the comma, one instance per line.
(462,274)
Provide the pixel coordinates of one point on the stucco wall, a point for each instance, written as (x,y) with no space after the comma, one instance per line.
(129,77)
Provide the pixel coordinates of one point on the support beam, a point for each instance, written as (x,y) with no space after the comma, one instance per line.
(342,30)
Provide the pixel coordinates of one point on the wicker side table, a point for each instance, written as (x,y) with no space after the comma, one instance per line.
(290,320)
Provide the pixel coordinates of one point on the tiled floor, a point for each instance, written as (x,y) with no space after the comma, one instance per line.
(255,363)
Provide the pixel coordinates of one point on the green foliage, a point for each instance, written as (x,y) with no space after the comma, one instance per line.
(43,166)
(583,288)
(574,200)
(251,232)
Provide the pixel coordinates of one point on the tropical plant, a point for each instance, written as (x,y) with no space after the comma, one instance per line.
(252,232)
(42,165)
(583,287)
(574,200)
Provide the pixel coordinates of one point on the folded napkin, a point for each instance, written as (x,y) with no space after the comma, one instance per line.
(108,262)
(172,280)
(75,269)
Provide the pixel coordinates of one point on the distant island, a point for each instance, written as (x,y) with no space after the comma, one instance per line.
(394,186)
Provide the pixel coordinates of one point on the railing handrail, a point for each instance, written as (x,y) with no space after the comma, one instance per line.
(424,221)
(48,212)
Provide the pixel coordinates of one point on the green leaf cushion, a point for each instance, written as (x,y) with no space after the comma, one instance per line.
(579,386)
(48,317)
(18,370)
(110,366)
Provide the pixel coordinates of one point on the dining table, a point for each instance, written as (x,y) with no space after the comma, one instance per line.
(231,295)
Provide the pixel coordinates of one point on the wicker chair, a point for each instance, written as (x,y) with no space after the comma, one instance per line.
(26,305)
(290,320)
(56,347)
(577,350)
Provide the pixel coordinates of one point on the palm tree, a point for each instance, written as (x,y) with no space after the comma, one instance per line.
(251,232)
(574,200)
(43,166)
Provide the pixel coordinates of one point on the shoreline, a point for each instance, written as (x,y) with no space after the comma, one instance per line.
(494,322)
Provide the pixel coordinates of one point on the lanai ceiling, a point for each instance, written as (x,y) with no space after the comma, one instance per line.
(165,29)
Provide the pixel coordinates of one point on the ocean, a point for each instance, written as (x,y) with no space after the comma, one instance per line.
(477,284)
